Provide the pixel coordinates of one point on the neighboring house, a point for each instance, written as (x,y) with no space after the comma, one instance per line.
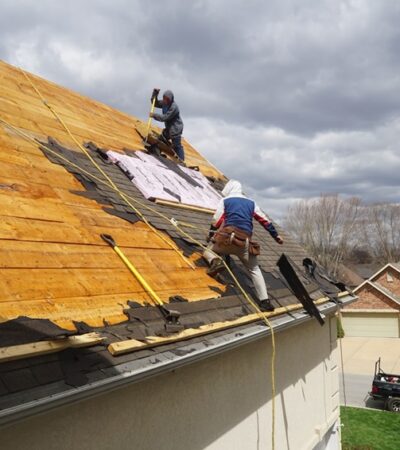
(348,276)
(365,271)
(85,359)
(377,310)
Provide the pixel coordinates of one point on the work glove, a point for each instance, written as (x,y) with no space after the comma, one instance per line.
(155,93)
(279,240)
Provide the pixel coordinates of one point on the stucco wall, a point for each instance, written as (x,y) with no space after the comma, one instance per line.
(331,440)
(223,402)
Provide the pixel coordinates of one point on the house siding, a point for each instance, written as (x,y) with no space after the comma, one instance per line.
(223,402)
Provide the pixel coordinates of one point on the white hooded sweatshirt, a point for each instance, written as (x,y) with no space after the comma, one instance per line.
(237,210)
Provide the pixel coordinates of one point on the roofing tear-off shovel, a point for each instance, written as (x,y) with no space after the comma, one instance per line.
(153,104)
(171,316)
(298,288)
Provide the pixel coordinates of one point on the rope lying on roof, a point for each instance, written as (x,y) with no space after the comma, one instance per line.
(128,200)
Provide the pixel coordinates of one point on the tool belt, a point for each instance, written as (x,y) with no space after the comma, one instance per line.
(229,235)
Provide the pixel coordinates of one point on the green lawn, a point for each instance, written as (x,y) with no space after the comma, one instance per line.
(365,429)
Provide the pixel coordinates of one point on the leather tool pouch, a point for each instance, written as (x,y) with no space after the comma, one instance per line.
(231,235)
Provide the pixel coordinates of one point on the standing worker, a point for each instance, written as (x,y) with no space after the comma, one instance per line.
(172,119)
(230,234)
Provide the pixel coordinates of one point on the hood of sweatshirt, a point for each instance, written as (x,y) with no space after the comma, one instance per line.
(233,189)
(169,94)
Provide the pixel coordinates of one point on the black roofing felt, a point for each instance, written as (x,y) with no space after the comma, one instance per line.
(22,380)
(23,330)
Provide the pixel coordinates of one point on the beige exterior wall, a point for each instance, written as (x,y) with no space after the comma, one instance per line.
(223,402)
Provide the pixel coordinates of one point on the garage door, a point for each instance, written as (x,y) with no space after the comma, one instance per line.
(371,324)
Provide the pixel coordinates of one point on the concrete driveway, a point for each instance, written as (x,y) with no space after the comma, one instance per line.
(359,356)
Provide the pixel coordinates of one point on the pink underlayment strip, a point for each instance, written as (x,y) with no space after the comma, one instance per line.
(152,177)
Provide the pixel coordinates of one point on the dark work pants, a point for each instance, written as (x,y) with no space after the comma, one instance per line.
(249,261)
(176,144)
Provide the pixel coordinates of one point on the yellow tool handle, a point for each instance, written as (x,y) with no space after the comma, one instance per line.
(132,268)
(153,104)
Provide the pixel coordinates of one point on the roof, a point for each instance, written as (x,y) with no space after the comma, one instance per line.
(383,290)
(349,276)
(394,266)
(365,271)
(378,286)
(73,317)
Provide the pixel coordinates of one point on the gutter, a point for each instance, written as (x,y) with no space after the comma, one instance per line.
(215,346)
(364,310)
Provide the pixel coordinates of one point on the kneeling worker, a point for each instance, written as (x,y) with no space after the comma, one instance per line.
(230,234)
(172,119)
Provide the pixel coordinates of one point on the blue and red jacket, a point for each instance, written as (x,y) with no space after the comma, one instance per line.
(239,212)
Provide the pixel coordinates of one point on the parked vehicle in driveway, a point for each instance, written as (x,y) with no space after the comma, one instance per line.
(386,386)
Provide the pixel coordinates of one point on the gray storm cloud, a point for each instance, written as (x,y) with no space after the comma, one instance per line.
(293,98)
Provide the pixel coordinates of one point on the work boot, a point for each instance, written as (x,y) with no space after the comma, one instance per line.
(216,267)
(266,305)
(154,150)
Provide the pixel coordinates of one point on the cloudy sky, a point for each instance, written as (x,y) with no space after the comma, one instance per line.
(293,98)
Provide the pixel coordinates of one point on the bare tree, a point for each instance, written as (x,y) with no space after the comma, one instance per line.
(325,227)
(380,230)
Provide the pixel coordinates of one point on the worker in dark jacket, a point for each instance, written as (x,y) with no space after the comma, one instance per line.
(231,232)
(172,119)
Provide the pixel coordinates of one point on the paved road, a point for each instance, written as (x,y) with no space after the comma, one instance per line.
(357,388)
(359,356)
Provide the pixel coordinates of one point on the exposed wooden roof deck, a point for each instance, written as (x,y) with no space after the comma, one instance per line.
(53,262)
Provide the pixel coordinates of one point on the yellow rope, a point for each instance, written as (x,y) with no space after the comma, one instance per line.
(127,199)
(339,318)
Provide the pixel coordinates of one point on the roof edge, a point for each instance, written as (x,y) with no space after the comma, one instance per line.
(366,310)
(232,340)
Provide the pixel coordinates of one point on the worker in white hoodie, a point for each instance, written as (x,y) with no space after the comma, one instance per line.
(230,234)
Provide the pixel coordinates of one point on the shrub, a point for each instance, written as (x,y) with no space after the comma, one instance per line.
(340,330)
